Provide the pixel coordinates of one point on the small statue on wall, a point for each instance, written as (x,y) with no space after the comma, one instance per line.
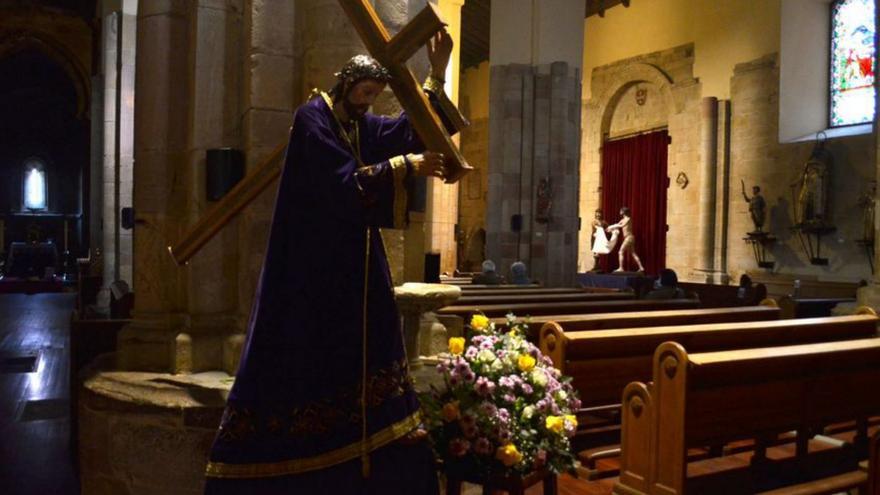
(811,204)
(867,203)
(545,201)
(757,206)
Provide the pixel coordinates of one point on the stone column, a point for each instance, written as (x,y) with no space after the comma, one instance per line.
(213,121)
(708,167)
(118,46)
(534,137)
(722,192)
(157,340)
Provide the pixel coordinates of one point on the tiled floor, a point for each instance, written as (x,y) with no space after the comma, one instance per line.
(34,415)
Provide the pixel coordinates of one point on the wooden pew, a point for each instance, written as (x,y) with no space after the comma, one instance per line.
(620,303)
(700,399)
(602,362)
(809,307)
(491,290)
(723,296)
(470,287)
(480,299)
(660,318)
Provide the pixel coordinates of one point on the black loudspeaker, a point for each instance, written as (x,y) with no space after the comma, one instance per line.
(432,268)
(126,217)
(225,167)
(516,223)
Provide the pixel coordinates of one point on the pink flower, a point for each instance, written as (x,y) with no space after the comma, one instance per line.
(459,447)
(484,386)
(483,446)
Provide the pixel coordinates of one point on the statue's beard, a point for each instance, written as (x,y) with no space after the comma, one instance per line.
(354,112)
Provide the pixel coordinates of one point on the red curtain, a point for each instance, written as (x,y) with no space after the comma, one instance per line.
(634,175)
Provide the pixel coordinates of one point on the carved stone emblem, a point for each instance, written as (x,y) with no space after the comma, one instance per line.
(641,96)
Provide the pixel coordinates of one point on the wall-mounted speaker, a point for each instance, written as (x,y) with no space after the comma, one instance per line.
(224,168)
(432,268)
(516,222)
(126,218)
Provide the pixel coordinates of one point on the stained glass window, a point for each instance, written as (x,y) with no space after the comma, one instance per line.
(34,186)
(852,62)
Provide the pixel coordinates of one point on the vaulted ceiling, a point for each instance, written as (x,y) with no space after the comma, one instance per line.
(475,24)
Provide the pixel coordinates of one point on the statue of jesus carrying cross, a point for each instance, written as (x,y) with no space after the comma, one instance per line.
(323,401)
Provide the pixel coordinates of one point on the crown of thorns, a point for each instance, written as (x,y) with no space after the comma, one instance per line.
(362,67)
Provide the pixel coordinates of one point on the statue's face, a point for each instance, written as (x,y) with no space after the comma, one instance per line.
(598,215)
(361,97)
(756,190)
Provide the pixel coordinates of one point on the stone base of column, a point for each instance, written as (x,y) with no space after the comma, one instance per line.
(180,344)
(133,425)
(714,277)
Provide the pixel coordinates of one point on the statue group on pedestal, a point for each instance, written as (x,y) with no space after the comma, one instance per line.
(602,244)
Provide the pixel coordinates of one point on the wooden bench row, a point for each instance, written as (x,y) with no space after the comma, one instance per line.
(696,399)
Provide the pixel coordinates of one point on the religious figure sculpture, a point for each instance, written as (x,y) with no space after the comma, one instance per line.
(544,204)
(323,401)
(629,239)
(811,204)
(757,206)
(601,243)
(867,203)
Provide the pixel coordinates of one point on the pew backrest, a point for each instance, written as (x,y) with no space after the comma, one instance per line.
(621,302)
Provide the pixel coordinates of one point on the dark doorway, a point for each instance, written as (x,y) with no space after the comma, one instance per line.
(40,128)
(634,175)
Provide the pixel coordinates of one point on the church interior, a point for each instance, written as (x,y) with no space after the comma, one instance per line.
(677,195)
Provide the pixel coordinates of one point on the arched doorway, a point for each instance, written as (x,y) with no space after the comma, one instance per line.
(41,129)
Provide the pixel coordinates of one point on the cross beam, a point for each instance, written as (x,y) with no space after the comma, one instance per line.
(393,53)
(390,52)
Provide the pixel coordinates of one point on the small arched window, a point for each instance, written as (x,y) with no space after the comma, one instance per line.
(34,185)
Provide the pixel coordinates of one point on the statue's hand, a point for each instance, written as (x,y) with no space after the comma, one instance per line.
(439,51)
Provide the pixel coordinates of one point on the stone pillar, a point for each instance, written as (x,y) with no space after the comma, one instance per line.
(708,167)
(118,46)
(213,121)
(534,138)
(161,84)
(722,193)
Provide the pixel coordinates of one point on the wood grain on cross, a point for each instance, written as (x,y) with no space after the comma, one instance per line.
(390,52)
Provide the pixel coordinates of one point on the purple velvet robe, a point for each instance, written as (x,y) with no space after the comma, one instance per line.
(293,420)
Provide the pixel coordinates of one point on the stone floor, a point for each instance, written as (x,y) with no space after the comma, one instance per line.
(34,398)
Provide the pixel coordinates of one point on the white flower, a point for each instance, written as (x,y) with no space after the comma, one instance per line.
(539,378)
(528,412)
(486,356)
(497,366)
(561,395)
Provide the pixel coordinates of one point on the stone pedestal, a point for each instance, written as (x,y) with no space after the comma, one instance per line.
(148,433)
(424,335)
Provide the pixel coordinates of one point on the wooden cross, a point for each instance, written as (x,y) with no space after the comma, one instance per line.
(391,53)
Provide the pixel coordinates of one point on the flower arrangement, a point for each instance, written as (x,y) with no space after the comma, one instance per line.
(503,409)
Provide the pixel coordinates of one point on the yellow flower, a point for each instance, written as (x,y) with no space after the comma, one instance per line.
(450,411)
(479,322)
(456,345)
(526,363)
(554,424)
(571,418)
(508,455)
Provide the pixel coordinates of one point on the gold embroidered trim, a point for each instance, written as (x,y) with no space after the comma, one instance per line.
(398,167)
(297,466)
(450,111)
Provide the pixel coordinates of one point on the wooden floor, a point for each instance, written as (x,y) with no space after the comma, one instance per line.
(34,415)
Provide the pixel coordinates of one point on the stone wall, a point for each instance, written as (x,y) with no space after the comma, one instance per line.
(758,158)
(472,197)
(747,149)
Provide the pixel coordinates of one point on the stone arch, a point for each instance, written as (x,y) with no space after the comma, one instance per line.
(631,75)
(616,79)
(17,41)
